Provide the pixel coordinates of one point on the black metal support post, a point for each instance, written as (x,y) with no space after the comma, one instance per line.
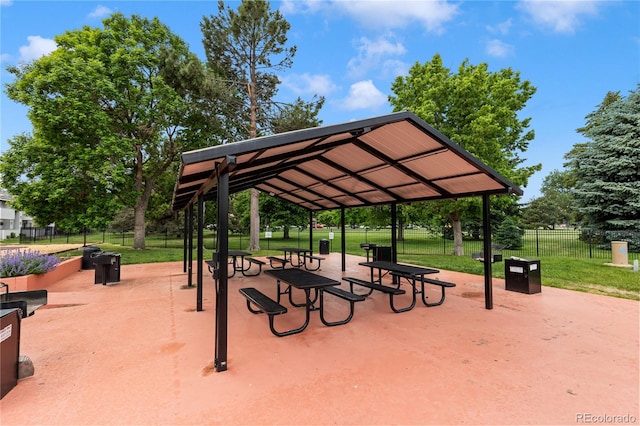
(200,252)
(394,232)
(222,296)
(190,248)
(184,244)
(311,231)
(343,240)
(486,229)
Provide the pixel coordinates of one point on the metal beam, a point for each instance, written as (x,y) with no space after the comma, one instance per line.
(488,256)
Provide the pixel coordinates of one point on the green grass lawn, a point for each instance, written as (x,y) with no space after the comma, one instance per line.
(588,275)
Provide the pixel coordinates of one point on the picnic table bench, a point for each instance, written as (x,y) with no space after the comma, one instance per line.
(266,305)
(432,281)
(391,291)
(349,296)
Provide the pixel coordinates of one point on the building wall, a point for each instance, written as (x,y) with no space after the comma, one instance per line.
(11,221)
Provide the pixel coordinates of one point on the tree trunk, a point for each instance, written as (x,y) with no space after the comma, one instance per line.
(254,229)
(456,224)
(139,213)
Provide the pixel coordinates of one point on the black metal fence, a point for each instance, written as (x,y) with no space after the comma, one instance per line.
(572,243)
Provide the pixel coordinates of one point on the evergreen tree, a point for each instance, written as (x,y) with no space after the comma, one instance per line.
(607,167)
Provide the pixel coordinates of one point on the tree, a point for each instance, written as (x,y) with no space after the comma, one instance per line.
(244,48)
(555,206)
(111,109)
(607,167)
(478,110)
(296,116)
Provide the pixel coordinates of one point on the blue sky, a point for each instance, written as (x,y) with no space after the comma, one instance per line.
(574,52)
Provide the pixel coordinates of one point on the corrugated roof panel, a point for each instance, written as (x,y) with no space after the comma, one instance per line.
(327,190)
(415,191)
(321,170)
(472,183)
(352,185)
(353,158)
(400,140)
(441,164)
(388,176)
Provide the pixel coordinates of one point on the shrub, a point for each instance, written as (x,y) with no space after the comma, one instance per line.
(16,263)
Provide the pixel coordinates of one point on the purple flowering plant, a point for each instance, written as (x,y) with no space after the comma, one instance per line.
(16,263)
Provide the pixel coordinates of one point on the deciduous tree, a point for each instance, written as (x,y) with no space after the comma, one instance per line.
(477,109)
(111,109)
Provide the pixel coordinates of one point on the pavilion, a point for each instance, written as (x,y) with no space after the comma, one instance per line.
(385,160)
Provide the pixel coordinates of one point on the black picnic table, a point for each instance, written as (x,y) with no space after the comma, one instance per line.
(412,274)
(302,280)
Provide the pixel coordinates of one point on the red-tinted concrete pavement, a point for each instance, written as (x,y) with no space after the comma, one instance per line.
(136,352)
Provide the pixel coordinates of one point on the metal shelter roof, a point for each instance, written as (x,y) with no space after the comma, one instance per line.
(392,158)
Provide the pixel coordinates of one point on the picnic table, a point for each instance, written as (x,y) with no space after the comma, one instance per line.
(241,261)
(398,271)
(304,258)
(298,278)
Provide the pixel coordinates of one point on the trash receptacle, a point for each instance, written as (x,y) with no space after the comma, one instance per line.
(382,253)
(324,246)
(107,267)
(522,275)
(9,349)
(87,253)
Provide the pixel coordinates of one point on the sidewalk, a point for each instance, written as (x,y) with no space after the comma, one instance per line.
(137,353)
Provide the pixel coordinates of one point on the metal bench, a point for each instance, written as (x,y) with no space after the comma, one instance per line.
(352,298)
(266,305)
(278,260)
(391,291)
(311,259)
(253,261)
(442,284)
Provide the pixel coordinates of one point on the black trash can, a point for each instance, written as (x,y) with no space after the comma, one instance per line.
(9,349)
(324,246)
(522,275)
(382,253)
(87,253)
(107,268)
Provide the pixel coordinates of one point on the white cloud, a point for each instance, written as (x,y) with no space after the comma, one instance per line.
(561,16)
(300,6)
(363,94)
(393,68)
(399,14)
(501,28)
(6,2)
(100,11)
(499,49)
(372,53)
(311,84)
(5,57)
(36,48)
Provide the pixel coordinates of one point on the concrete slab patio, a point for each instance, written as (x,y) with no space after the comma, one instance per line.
(137,352)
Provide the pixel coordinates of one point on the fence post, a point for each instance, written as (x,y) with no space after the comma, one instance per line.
(123,238)
(590,245)
(444,241)
(537,244)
